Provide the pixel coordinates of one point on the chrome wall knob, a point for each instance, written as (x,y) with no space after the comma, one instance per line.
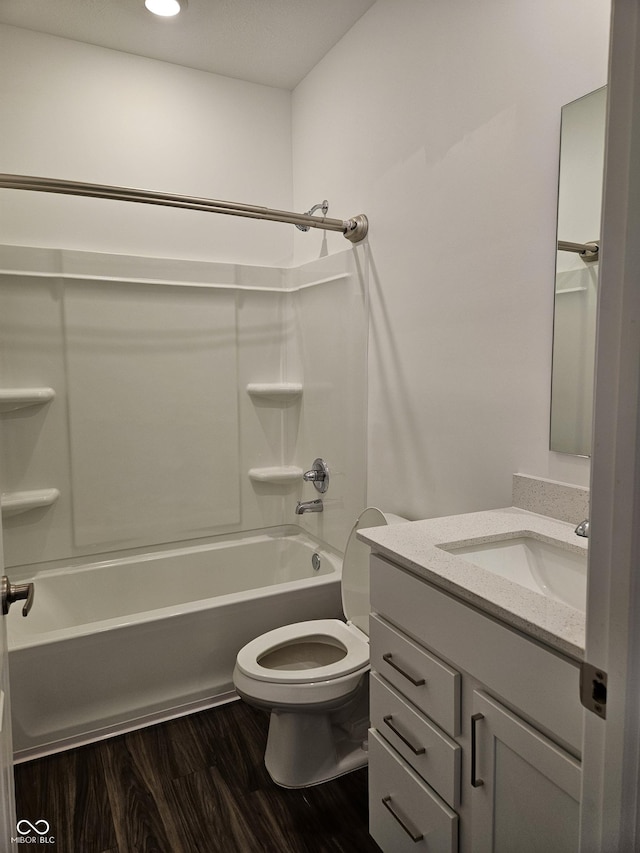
(583,529)
(318,475)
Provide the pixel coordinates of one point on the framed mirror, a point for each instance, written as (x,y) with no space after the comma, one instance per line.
(576,283)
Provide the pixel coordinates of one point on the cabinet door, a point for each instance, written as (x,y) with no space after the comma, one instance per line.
(525,789)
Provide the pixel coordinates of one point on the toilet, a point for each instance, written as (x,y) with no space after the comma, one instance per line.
(314,679)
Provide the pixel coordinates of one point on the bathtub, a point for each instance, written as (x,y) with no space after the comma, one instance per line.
(122,643)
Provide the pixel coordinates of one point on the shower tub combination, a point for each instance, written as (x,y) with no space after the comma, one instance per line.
(114,645)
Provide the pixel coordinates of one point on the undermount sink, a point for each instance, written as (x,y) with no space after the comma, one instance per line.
(547,568)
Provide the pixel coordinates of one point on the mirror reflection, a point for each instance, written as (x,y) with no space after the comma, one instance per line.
(574,330)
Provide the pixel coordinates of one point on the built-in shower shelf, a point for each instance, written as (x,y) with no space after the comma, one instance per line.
(19,398)
(278,391)
(13,503)
(278,474)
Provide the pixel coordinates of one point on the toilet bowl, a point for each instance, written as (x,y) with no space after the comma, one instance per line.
(314,679)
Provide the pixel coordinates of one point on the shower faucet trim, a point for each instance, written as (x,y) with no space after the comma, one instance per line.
(318,475)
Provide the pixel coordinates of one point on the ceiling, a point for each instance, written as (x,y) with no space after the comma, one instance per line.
(274,42)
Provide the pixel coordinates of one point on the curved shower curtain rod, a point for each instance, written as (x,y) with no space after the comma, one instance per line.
(354,229)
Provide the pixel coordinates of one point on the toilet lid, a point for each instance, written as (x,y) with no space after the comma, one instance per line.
(355,571)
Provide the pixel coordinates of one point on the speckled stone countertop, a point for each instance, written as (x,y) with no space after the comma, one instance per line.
(417,547)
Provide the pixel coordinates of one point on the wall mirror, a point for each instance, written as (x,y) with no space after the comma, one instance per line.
(576,284)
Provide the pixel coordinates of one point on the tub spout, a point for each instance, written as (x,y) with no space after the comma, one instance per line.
(309,506)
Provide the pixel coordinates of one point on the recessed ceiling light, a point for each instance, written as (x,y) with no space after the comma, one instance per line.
(165,8)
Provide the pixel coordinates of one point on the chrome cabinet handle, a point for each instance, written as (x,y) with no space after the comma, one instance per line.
(413,834)
(415,750)
(16,592)
(476,783)
(417,682)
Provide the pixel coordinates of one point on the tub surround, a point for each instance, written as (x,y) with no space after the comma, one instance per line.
(225,399)
(418,547)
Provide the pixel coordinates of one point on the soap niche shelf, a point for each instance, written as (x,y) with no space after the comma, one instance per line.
(278,392)
(278,475)
(12,399)
(14,503)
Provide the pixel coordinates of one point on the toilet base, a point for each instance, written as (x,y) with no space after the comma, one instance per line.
(308,749)
(307,746)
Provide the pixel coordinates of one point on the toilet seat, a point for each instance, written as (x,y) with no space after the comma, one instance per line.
(333,632)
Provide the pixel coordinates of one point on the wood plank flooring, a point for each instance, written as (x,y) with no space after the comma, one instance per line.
(193,785)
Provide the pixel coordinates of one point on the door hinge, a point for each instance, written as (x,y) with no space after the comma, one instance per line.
(593,689)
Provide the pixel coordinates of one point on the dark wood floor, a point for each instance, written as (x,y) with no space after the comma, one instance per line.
(193,785)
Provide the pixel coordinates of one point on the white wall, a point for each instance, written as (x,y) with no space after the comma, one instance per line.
(441,121)
(85,113)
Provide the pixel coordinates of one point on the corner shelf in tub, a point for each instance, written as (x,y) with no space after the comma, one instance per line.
(19,398)
(278,475)
(279,392)
(14,503)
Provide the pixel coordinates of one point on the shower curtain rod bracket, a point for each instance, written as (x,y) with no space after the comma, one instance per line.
(357,228)
(323,206)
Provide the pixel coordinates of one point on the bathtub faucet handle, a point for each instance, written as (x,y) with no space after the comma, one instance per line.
(16,592)
(318,475)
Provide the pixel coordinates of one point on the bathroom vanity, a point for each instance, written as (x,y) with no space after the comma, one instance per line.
(476,719)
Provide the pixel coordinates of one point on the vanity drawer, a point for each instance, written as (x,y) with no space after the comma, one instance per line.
(426,681)
(404,813)
(429,751)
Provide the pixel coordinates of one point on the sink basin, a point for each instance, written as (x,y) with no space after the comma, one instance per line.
(544,567)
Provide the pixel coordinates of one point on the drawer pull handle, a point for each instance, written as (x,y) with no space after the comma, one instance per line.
(388,658)
(413,834)
(415,750)
(476,783)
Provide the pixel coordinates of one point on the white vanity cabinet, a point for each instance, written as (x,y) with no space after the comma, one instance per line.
(475,728)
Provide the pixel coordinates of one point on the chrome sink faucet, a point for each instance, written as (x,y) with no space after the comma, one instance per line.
(583,529)
(309,506)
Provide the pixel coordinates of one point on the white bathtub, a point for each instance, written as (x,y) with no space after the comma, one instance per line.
(117,644)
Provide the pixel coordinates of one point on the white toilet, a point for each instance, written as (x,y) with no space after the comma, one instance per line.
(313,677)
